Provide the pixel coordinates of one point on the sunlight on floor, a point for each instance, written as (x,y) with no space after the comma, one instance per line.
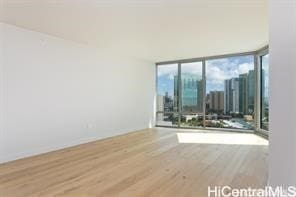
(222,138)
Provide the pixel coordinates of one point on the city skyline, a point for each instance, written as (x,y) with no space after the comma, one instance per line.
(238,95)
(217,71)
(230,92)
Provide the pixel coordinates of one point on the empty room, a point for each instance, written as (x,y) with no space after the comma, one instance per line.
(135,98)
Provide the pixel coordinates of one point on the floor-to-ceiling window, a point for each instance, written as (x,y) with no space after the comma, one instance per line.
(191,94)
(264,82)
(230,88)
(228,92)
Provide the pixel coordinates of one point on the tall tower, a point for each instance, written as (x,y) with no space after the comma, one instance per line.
(200,95)
(216,101)
(235,95)
(176,94)
(192,93)
(243,93)
(251,91)
(231,96)
(227,96)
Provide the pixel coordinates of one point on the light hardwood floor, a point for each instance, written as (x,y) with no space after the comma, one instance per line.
(151,162)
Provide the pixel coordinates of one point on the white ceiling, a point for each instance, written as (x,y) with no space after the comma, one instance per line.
(156,30)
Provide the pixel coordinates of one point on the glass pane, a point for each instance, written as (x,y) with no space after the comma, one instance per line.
(167,119)
(192,87)
(264,92)
(230,92)
(192,94)
(167,88)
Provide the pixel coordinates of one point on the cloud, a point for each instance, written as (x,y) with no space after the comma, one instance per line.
(169,70)
(193,68)
(226,70)
(216,70)
(219,70)
(245,67)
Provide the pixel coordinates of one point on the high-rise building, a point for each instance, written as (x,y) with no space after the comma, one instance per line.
(227,96)
(200,95)
(192,92)
(160,107)
(251,91)
(160,103)
(235,95)
(176,94)
(231,87)
(216,101)
(168,103)
(240,94)
(243,93)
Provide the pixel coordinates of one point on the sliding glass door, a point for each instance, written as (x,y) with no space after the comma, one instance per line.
(264,91)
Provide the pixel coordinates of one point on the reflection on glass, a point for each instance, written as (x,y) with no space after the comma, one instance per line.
(192,87)
(167,119)
(192,94)
(167,88)
(264,92)
(230,93)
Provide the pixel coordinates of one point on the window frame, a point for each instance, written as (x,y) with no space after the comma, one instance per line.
(257,68)
(259,56)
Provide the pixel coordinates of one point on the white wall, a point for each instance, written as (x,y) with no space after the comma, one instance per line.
(58,93)
(1,93)
(282,162)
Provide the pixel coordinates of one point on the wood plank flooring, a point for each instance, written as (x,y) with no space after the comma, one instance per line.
(150,162)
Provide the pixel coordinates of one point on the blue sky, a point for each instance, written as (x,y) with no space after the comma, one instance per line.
(165,79)
(216,72)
